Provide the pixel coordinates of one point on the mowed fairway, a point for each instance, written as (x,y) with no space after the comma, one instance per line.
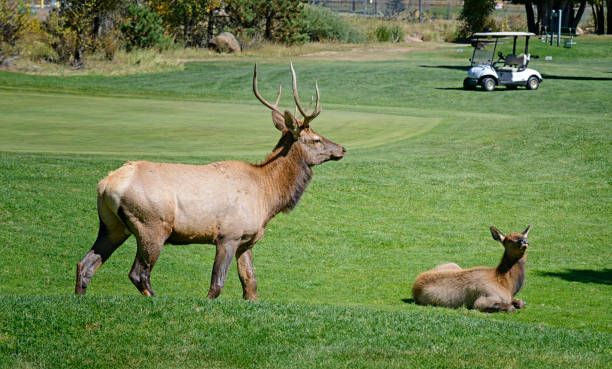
(429,167)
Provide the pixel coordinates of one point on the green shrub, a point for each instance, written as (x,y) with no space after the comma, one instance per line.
(383,33)
(397,33)
(320,24)
(142,28)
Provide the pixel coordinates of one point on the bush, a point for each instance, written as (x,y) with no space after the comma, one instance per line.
(15,19)
(397,33)
(64,40)
(142,28)
(383,33)
(393,33)
(320,24)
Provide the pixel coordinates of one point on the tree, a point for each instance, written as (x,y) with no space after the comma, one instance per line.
(536,21)
(280,18)
(598,16)
(476,15)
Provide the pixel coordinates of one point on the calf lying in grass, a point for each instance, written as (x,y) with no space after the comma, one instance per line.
(487,289)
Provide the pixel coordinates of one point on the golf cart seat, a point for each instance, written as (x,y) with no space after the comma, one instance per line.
(516,60)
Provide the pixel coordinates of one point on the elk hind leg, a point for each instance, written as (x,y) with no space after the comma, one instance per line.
(244,259)
(110,237)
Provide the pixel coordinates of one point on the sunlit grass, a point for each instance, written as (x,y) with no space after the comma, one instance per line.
(429,168)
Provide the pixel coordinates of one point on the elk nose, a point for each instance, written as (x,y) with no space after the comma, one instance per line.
(343,150)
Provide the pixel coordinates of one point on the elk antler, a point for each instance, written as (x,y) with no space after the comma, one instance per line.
(272,107)
(307,117)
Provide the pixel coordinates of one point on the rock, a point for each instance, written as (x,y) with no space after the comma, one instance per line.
(413,39)
(224,42)
(8,62)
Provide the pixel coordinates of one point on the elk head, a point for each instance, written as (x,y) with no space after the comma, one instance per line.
(514,243)
(317,148)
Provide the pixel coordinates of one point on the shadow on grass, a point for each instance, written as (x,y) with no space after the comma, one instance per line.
(576,78)
(603,276)
(408,301)
(454,67)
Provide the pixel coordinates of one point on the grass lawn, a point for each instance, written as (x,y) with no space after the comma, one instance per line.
(429,167)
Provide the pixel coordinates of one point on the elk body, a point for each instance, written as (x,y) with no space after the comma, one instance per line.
(487,289)
(227,203)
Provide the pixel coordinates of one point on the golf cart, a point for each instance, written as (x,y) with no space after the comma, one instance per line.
(508,70)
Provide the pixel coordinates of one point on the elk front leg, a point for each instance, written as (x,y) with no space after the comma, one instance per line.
(226,249)
(492,304)
(244,259)
(146,257)
(518,303)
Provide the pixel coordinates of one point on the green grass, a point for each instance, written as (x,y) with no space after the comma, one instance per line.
(429,167)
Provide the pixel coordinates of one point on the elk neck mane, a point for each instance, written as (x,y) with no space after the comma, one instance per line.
(286,174)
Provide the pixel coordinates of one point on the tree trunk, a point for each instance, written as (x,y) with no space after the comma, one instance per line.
(531,25)
(579,13)
(268,30)
(598,14)
(609,17)
(211,26)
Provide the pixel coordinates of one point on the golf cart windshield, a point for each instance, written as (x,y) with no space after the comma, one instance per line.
(483,54)
(486,43)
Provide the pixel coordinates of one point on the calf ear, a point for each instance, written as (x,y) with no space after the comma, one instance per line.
(497,235)
(526,231)
(279,121)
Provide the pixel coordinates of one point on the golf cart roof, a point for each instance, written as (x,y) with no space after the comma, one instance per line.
(502,34)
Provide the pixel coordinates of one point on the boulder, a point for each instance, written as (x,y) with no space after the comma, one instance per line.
(224,42)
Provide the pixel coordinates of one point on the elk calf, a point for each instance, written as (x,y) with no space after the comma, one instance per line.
(228,203)
(487,289)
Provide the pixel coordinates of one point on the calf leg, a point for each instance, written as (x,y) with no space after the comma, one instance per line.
(244,259)
(226,249)
(518,303)
(489,304)
(109,239)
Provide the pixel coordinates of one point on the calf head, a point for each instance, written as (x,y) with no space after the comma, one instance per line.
(515,243)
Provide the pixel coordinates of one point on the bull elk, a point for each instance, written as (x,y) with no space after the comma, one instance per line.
(487,289)
(227,203)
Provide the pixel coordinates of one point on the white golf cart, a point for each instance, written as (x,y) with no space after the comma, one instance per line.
(508,70)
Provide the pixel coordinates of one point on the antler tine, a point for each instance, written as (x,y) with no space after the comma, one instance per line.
(307,117)
(263,101)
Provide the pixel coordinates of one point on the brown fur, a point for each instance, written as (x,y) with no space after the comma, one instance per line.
(484,288)
(227,203)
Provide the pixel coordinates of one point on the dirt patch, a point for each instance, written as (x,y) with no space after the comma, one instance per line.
(372,52)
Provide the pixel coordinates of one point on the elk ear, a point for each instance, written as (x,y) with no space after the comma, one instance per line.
(292,124)
(497,235)
(279,121)
(526,231)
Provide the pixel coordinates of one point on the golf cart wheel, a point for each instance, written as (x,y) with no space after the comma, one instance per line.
(467,84)
(488,84)
(533,83)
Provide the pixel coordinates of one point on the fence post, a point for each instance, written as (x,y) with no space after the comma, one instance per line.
(420,11)
(559,19)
